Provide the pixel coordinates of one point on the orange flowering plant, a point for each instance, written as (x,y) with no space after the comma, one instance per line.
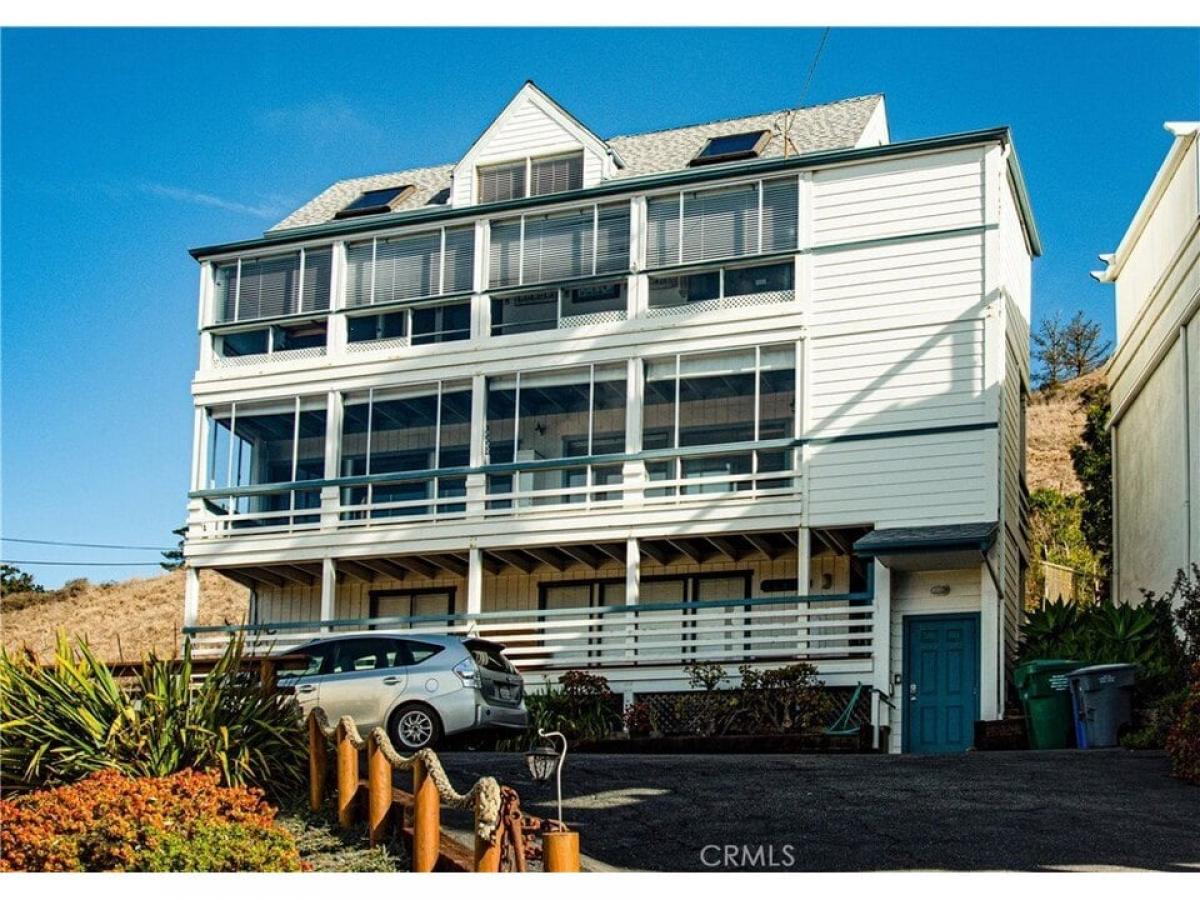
(186,822)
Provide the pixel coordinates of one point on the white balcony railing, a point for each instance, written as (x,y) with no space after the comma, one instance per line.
(819,629)
(559,487)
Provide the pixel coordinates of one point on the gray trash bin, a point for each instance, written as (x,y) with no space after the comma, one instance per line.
(1103,700)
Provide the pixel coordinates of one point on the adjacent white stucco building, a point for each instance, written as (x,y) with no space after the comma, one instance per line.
(1154,378)
(749,391)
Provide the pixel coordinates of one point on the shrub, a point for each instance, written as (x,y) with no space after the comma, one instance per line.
(1143,635)
(639,719)
(582,707)
(713,710)
(790,698)
(1183,742)
(62,722)
(112,822)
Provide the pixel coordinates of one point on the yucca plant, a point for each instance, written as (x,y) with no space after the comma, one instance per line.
(61,722)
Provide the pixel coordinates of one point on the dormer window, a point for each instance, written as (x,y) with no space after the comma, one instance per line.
(730,147)
(534,177)
(370,203)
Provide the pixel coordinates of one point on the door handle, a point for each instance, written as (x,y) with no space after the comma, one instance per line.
(392,679)
(305,689)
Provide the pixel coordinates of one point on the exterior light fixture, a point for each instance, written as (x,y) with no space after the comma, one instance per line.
(545,762)
(940,590)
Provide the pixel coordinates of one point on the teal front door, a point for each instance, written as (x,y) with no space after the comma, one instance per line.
(941,682)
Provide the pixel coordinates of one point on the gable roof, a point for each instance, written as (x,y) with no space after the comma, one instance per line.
(829,126)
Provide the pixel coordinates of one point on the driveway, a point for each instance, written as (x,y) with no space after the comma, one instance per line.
(1066,810)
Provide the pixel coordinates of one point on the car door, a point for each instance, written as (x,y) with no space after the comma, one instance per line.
(302,671)
(364,679)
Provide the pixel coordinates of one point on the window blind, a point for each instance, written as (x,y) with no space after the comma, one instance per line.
(503,182)
(556,174)
(410,267)
(274,286)
(537,249)
(720,223)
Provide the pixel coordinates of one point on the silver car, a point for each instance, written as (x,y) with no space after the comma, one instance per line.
(419,687)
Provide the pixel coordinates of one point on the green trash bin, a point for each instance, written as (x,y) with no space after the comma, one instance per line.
(1045,692)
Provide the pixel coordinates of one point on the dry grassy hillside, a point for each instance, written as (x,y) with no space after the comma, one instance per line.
(124,620)
(1053,426)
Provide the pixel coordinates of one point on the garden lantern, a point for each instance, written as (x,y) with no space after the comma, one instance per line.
(545,762)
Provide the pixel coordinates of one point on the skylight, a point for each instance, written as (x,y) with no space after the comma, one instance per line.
(728,147)
(380,200)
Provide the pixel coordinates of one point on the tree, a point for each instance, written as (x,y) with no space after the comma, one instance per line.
(1083,350)
(1050,350)
(14,581)
(1091,458)
(174,558)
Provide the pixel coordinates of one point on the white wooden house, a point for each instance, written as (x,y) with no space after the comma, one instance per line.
(747,391)
(1154,378)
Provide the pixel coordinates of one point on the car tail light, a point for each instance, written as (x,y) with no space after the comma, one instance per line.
(468,673)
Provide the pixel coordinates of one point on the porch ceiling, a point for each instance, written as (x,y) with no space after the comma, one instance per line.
(548,558)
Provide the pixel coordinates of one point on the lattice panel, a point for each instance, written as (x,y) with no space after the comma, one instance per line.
(597,318)
(717,303)
(261,359)
(398,343)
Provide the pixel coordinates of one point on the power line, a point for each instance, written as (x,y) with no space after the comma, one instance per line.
(59,562)
(812,69)
(73,544)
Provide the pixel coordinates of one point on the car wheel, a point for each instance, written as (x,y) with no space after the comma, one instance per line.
(413,727)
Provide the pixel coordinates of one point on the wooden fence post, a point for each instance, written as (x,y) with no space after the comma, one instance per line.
(379,790)
(318,764)
(347,776)
(560,850)
(427,819)
(487,855)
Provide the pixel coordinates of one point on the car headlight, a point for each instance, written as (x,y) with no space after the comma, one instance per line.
(468,673)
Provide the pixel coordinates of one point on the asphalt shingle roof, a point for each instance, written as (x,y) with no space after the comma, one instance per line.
(830,126)
(926,537)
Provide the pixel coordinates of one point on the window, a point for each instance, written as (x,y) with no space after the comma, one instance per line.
(746,219)
(762,283)
(262,443)
(246,346)
(376,201)
(534,249)
(489,656)
(378,327)
(309,662)
(439,324)
(564,307)
(731,397)
(410,267)
(271,287)
(560,414)
(367,654)
(406,430)
(547,175)
(729,147)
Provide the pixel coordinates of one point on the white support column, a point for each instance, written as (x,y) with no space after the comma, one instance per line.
(803,577)
(633,473)
(328,591)
(989,646)
(331,496)
(191,596)
(474,583)
(881,648)
(199,449)
(477,482)
(338,329)
(481,310)
(633,592)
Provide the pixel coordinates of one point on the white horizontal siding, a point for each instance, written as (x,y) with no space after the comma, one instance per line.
(915,480)
(901,378)
(897,197)
(1015,261)
(893,284)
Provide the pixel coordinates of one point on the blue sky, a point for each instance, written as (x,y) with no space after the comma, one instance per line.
(122,148)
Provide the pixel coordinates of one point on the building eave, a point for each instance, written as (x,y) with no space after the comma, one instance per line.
(825,158)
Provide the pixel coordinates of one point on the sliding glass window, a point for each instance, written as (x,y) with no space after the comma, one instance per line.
(406,432)
(272,287)
(711,399)
(258,443)
(565,414)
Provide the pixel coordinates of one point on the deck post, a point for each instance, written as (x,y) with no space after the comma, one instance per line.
(347,776)
(328,590)
(474,583)
(881,649)
(318,764)
(379,790)
(191,596)
(427,819)
(487,853)
(633,589)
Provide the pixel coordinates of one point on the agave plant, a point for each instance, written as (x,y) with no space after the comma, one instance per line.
(61,722)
